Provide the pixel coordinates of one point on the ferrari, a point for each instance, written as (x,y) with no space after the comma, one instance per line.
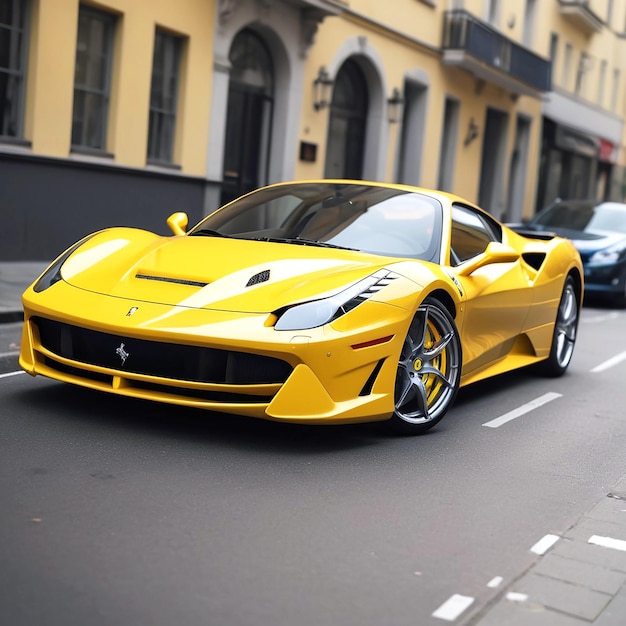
(317,302)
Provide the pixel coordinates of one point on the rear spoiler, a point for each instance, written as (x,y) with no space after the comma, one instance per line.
(529,233)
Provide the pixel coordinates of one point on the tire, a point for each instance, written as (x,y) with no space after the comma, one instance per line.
(565,329)
(429,370)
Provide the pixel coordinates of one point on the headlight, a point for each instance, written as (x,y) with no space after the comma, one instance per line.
(319,312)
(53,273)
(609,255)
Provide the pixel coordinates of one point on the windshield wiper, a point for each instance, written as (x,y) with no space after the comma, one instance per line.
(304,242)
(207,232)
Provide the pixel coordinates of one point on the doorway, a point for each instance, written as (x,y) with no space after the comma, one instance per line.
(348,121)
(249,116)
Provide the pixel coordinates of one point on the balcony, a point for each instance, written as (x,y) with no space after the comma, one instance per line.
(578,12)
(476,47)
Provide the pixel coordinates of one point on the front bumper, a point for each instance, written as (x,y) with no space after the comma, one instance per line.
(228,362)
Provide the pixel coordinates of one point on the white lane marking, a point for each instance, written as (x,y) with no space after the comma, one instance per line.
(525,408)
(453,607)
(608,542)
(610,363)
(11,374)
(544,544)
(3,354)
(495,582)
(515,596)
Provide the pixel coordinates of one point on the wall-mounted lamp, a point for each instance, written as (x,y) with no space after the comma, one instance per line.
(472,132)
(394,106)
(322,89)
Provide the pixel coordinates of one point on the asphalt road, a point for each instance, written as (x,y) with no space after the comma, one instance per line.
(115,511)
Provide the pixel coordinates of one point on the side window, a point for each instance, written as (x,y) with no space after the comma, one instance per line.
(471,234)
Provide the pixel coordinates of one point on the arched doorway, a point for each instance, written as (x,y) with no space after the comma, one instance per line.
(249,116)
(348,121)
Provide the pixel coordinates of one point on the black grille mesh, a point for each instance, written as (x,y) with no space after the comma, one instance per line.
(156,358)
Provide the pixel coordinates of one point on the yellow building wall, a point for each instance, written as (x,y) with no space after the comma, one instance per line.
(49,100)
(401,52)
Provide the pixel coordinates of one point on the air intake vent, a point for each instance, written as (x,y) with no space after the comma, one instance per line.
(534,259)
(261,277)
(176,281)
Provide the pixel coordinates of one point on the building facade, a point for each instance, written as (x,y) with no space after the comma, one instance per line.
(120,112)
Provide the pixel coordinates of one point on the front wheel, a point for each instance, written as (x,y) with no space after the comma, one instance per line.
(564,337)
(429,370)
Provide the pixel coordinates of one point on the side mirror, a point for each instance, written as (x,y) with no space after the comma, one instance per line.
(178,223)
(494,253)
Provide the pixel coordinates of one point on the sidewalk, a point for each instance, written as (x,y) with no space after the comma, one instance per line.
(14,278)
(579,578)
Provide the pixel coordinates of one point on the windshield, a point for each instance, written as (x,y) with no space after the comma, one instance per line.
(585,217)
(378,220)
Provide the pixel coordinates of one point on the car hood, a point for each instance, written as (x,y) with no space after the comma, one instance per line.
(213,273)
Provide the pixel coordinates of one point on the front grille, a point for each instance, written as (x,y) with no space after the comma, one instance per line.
(157,358)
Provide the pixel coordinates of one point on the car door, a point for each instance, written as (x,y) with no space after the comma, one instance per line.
(498,295)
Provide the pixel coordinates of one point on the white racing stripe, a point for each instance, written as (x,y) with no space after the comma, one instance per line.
(610,363)
(11,374)
(453,607)
(522,410)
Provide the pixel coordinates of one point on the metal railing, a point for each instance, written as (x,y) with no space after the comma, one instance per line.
(463,31)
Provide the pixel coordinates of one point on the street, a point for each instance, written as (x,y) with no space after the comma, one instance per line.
(116,511)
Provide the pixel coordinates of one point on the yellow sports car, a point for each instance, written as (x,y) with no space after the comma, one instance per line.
(323,302)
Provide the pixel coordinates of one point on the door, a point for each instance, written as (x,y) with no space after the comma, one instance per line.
(249,116)
(346,129)
(498,296)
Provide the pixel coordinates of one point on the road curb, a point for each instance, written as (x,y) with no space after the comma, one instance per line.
(8,317)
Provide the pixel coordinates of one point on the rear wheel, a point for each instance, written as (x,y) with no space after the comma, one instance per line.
(565,328)
(429,370)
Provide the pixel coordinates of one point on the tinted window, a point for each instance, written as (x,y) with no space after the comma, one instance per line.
(378,220)
(471,233)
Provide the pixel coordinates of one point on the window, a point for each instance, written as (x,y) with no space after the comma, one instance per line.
(602,82)
(472,232)
(493,11)
(92,79)
(12,66)
(583,66)
(163,97)
(615,91)
(567,62)
(530,14)
(447,151)
(554,49)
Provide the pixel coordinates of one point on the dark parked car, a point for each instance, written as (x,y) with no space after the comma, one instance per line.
(598,230)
